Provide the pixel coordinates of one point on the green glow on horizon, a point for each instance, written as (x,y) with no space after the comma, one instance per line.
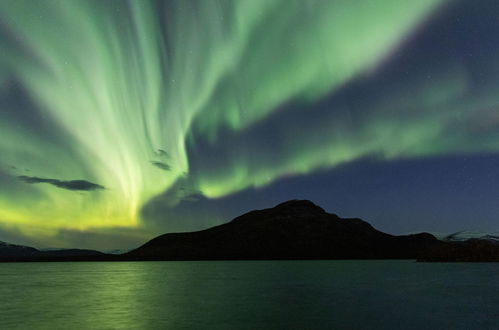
(120,83)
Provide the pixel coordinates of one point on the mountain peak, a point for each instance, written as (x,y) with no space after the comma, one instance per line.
(299,207)
(296,229)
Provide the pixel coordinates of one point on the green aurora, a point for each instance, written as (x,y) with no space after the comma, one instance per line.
(121,91)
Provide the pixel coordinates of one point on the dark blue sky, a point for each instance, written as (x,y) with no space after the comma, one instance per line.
(453,189)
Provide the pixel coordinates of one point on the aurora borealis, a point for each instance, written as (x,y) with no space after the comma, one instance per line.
(126,119)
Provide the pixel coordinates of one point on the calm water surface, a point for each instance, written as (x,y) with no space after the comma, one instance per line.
(249,295)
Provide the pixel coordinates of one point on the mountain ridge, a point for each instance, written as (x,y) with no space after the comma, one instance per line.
(14,252)
(295,229)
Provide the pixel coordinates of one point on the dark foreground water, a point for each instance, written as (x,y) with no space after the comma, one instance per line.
(249,295)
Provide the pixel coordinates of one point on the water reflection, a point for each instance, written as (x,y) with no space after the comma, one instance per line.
(248,295)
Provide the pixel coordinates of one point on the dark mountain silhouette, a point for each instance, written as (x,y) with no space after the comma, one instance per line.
(297,229)
(70,252)
(11,252)
(465,246)
(473,249)
(465,235)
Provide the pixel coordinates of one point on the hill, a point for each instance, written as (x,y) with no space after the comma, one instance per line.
(296,229)
(12,252)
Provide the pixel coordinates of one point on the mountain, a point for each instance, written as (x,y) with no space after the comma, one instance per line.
(465,235)
(484,248)
(70,252)
(12,252)
(117,251)
(465,246)
(8,250)
(297,229)
(471,250)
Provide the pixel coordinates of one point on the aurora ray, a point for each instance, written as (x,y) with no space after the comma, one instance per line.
(150,98)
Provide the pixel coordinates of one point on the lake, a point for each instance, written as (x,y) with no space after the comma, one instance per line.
(249,295)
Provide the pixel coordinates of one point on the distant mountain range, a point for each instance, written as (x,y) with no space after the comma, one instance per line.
(296,229)
(465,235)
(12,252)
(8,250)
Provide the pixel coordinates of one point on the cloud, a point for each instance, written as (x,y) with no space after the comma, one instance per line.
(80,185)
(161,165)
(162,153)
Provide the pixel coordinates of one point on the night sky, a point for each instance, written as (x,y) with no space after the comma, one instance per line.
(122,120)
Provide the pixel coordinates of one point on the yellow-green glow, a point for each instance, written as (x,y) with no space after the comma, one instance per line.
(120,80)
